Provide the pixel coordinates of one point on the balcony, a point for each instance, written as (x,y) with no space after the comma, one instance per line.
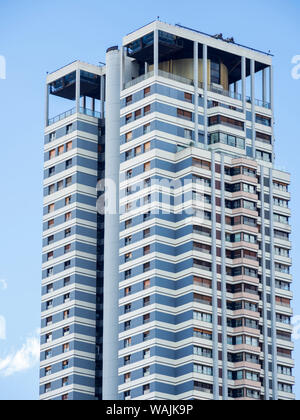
(72,111)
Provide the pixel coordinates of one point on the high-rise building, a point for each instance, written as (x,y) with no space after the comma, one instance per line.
(181,289)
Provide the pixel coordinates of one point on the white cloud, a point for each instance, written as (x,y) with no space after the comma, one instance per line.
(3,284)
(2,328)
(22,359)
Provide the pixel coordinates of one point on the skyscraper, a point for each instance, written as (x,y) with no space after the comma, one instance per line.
(181,289)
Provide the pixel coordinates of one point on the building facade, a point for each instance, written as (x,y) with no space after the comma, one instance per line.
(182,287)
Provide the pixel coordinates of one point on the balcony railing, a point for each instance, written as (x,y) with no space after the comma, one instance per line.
(139,79)
(72,111)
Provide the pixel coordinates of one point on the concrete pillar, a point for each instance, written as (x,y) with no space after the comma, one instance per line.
(205,93)
(252,70)
(244,83)
(196,83)
(156,52)
(78,90)
(111,235)
(102,95)
(264,85)
(47,105)
(214,283)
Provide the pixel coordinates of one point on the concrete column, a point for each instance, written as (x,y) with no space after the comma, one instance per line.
(244,83)
(102,95)
(205,93)
(264,85)
(122,70)
(47,105)
(214,283)
(264,287)
(111,226)
(271,88)
(223,285)
(252,67)
(196,83)
(273,299)
(78,90)
(236,89)
(156,52)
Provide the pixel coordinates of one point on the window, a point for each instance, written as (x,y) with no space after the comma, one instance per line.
(146,354)
(51,189)
(181,113)
(128,100)
(127,325)
(61,150)
(52,171)
(147,146)
(128,256)
(146,284)
(48,337)
(147,91)
(127,360)
(127,308)
(215,72)
(69,128)
(137,114)
(128,118)
(147,166)
(50,223)
(146,318)
(66,347)
(68,163)
(50,255)
(49,271)
(127,291)
(49,321)
(127,342)
(48,354)
(188,134)
(67,248)
(137,150)
(68,216)
(127,274)
(146,128)
(65,381)
(129,174)
(67,232)
(69,146)
(51,208)
(128,136)
(146,250)
(67,264)
(127,377)
(60,185)
(146,233)
(146,371)
(47,387)
(66,314)
(188,97)
(52,136)
(146,301)
(48,371)
(146,267)
(50,288)
(66,331)
(68,181)
(128,223)
(128,240)
(147,110)
(65,397)
(52,154)
(146,335)
(66,297)
(67,281)
(146,389)
(127,395)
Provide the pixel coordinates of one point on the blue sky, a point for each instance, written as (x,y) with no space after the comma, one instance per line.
(39,36)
